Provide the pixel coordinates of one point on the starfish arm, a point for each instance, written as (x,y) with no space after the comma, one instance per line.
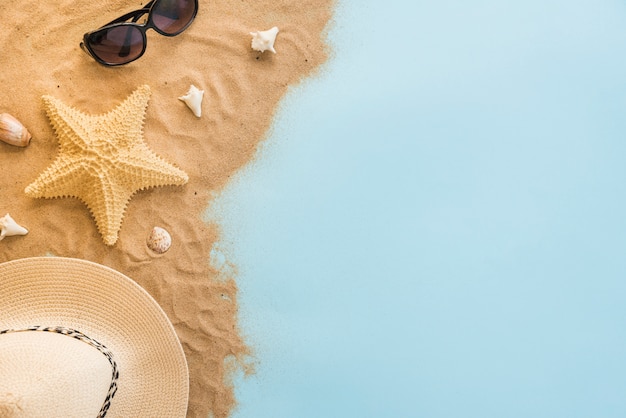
(124,124)
(70,125)
(141,168)
(107,205)
(62,178)
(105,200)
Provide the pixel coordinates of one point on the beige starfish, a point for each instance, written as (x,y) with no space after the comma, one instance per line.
(103,160)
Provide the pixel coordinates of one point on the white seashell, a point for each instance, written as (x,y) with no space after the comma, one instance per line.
(264,40)
(193,99)
(13,132)
(159,240)
(10,228)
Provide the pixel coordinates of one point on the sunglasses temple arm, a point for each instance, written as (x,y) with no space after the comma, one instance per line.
(136,15)
(84,48)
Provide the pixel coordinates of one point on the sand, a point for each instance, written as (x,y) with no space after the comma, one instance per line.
(41,56)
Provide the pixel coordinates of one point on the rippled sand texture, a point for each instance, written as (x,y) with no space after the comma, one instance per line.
(41,56)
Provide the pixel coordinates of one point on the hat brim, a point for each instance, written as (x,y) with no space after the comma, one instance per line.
(112,309)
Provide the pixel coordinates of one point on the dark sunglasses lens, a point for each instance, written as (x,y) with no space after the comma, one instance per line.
(117,45)
(173,16)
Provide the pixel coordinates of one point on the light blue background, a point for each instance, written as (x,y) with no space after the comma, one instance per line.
(436,225)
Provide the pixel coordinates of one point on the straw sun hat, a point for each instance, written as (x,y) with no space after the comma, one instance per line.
(78,339)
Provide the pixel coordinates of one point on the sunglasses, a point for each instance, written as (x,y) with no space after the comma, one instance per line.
(120,42)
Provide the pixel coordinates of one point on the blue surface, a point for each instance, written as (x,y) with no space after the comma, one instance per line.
(436,227)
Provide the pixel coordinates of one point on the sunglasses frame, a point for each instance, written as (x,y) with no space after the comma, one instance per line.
(143,28)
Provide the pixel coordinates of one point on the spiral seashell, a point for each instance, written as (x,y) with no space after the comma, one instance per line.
(159,240)
(13,132)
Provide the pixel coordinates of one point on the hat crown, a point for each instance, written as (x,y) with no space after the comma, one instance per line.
(51,374)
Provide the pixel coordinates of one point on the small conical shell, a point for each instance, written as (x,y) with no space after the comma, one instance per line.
(13,132)
(193,99)
(9,228)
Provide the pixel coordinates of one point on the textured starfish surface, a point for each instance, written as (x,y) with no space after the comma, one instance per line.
(103,160)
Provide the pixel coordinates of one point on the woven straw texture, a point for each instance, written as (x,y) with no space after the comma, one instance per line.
(103,160)
(112,309)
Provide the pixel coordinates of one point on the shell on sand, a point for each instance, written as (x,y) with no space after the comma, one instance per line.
(9,228)
(159,240)
(264,40)
(193,100)
(13,132)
